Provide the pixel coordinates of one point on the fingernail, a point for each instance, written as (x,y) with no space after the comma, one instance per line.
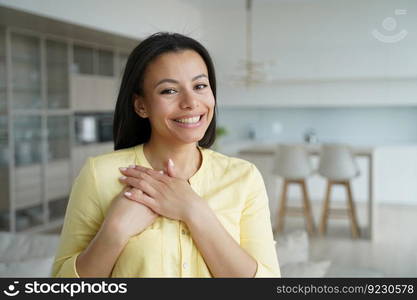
(128,193)
(122,177)
(162,172)
(132,166)
(122,169)
(170,162)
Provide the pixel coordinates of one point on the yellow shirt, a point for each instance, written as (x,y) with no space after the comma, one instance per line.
(233,188)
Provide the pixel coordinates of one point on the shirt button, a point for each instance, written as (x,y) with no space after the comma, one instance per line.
(185,265)
(183,232)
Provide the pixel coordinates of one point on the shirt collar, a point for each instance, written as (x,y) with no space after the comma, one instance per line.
(141,160)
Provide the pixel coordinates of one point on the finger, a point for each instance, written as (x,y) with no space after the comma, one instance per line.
(140,167)
(142,198)
(140,184)
(133,194)
(146,175)
(171,168)
(149,171)
(158,175)
(133,167)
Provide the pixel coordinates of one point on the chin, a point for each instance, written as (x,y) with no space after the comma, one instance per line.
(190,140)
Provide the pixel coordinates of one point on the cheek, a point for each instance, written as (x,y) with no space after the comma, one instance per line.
(159,109)
(210,102)
(158,115)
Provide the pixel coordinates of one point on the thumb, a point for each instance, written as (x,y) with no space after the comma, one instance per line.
(171,168)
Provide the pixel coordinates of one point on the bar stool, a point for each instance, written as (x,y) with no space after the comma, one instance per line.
(339,167)
(292,163)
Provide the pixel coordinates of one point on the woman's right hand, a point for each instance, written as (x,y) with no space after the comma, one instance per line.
(126,218)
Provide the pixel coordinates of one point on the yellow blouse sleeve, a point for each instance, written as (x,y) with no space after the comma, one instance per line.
(256,232)
(83,219)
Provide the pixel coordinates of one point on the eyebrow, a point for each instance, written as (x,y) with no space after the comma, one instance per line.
(175,81)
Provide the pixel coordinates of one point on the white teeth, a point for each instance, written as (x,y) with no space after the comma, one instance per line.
(189,120)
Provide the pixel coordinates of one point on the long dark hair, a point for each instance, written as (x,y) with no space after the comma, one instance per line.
(129,129)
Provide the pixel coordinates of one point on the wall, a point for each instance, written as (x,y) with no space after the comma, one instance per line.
(131,18)
(223,24)
(324,51)
(365,126)
(392,131)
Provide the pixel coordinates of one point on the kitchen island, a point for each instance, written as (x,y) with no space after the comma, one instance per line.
(388,176)
(266,153)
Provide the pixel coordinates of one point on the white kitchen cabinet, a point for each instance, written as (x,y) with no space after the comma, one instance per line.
(26,65)
(82,91)
(106,93)
(49,70)
(4,188)
(105,62)
(83,62)
(93,93)
(28,182)
(58,178)
(82,152)
(57,74)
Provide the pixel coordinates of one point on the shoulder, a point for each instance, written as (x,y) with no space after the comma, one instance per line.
(243,173)
(104,165)
(122,153)
(230,164)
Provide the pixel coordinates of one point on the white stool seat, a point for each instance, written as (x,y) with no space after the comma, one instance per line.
(338,165)
(292,162)
(337,162)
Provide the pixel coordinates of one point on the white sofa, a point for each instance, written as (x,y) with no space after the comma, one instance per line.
(27,255)
(30,255)
(294,258)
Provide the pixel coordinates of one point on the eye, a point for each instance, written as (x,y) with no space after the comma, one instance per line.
(200,86)
(168,91)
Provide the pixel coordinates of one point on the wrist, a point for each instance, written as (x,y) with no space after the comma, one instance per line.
(195,211)
(112,236)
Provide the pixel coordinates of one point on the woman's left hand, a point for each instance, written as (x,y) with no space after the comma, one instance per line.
(165,194)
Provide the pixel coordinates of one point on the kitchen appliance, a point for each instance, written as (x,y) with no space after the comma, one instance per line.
(105,127)
(86,128)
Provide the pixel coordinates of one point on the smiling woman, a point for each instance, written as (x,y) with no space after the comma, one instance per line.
(180,209)
(178,101)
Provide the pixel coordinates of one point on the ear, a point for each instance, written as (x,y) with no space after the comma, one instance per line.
(139,105)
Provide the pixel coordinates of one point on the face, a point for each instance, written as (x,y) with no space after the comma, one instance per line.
(177,99)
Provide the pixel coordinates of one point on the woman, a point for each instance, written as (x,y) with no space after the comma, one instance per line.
(179,209)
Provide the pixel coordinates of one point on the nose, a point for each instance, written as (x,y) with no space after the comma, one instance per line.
(188,100)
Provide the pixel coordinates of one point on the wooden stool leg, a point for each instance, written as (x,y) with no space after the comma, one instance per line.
(282,207)
(325,213)
(307,208)
(352,211)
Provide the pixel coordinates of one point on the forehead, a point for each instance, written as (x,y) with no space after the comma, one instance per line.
(186,63)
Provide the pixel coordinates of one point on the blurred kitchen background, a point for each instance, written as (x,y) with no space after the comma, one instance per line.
(305,72)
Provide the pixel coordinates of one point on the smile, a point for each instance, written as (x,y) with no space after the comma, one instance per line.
(192,122)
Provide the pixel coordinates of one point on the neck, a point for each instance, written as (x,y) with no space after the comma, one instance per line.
(186,157)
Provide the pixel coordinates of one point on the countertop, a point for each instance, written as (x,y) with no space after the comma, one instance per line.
(264,147)
(232,148)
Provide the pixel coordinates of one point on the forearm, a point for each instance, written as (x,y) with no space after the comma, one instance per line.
(222,254)
(99,258)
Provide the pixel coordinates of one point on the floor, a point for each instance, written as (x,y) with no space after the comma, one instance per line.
(392,252)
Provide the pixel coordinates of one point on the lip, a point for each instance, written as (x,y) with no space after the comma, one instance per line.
(187,125)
